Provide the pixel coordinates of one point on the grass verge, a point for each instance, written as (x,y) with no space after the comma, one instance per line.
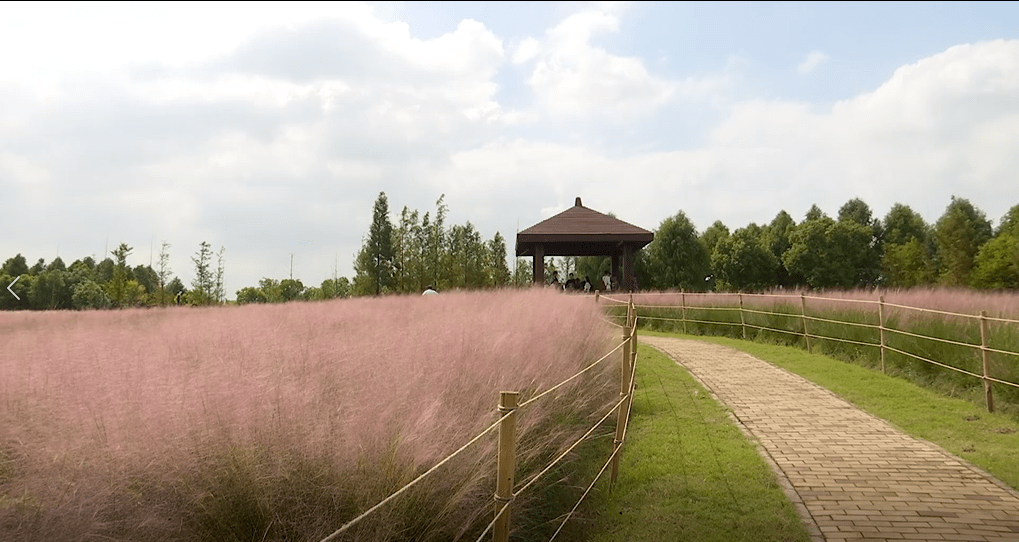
(687,472)
(989,441)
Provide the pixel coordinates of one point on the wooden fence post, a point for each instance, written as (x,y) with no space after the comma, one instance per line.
(506,464)
(881,326)
(988,393)
(742,322)
(624,384)
(803,318)
(631,312)
(633,344)
(596,294)
(683,302)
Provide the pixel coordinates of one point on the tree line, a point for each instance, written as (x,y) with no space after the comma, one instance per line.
(110,283)
(854,249)
(417,251)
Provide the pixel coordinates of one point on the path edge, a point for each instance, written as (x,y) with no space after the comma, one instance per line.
(783,481)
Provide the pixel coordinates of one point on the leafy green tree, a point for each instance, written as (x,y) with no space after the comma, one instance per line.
(907,265)
(218,293)
(290,289)
(1009,223)
(594,267)
(39,267)
(56,265)
(467,258)
(374,263)
(250,294)
(815,213)
(49,291)
(118,288)
(743,261)
(857,212)
(678,257)
(89,295)
(333,288)
(522,273)
(147,278)
(997,262)
(15,267)
(498,270)
(960,233)
(163,296)
(176,290)
(715,233)
(902,224)
(908,256)
(104,271)
(829,254)
(776,238)
(437,245)
(204,282)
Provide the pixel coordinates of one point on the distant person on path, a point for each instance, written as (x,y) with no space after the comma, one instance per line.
(615,283)
(555,280)
(607,279)
(587,284)
(430,291)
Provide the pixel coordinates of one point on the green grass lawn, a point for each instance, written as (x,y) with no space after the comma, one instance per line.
(687,472)
(989,441)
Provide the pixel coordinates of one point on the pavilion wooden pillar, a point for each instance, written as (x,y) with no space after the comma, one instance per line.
(539,264)
(626,282)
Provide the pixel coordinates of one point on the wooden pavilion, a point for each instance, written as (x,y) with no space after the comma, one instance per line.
(579,231)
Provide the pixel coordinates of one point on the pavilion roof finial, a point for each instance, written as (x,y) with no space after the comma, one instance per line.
(578,204)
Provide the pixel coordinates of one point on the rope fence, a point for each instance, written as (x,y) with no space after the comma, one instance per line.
(506,425)
(735,302)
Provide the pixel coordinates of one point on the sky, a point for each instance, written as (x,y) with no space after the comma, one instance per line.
(269,129)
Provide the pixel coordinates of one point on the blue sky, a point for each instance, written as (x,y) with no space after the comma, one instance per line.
(269,129)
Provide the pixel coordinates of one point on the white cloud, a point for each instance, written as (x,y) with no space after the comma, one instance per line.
(526,50)
(813,60)
(574,78)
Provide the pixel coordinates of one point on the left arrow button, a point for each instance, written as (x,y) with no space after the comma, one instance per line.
(12,291)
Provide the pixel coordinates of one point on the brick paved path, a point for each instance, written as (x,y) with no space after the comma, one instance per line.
(852,476)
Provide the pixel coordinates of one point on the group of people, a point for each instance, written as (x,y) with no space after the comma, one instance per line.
(575,284)
(572,283)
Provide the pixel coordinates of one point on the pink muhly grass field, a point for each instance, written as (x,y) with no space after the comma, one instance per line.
(283,422)
(998,303)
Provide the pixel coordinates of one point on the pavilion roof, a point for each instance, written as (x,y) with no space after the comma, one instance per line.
(580,231)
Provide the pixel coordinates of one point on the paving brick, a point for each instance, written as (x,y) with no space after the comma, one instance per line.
(858,477)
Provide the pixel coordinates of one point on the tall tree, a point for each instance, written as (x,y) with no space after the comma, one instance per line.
(218,292)
(522,273)
(119,287)
(374,263)
(163,273)
(498,270)
(855,211)
(997,262)
(902,224)
(15,267)
(960,233)
(715,233)
(776,238)
(203,283)
(743,262)
(678,257)
(908,255)
(829,254)
(815,213)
